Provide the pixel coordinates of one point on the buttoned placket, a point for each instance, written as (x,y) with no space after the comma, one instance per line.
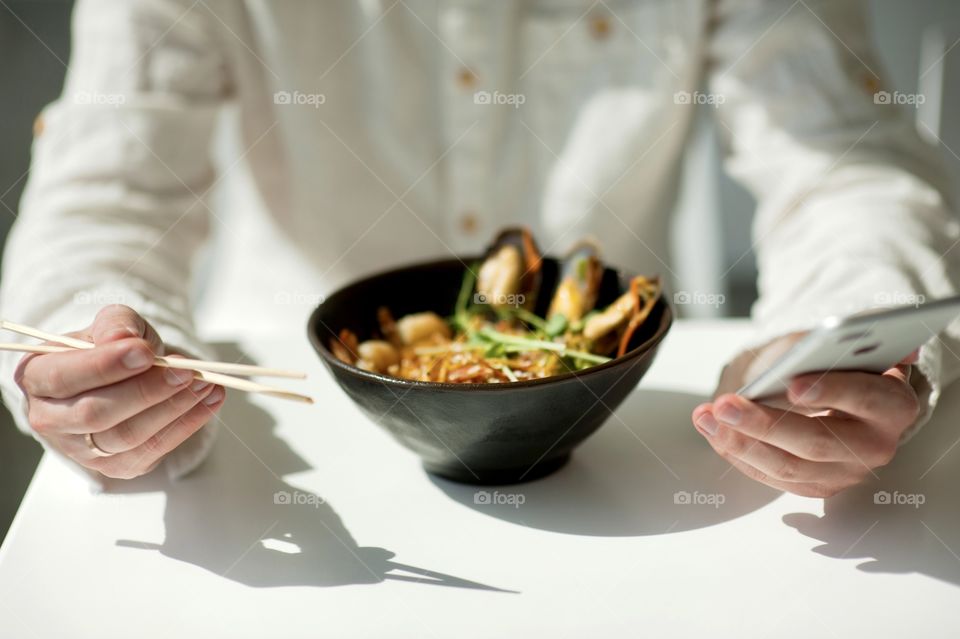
(467,63)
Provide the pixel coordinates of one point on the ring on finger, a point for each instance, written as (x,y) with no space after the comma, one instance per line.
(92,445)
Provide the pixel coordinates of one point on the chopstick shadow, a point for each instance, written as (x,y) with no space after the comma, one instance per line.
(236,517)
(907,520)
(647,473)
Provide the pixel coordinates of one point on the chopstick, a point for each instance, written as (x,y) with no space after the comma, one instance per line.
(251,387)
(23,329)
(212,372)
(169,362)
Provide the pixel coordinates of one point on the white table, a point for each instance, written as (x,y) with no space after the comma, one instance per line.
(599,549)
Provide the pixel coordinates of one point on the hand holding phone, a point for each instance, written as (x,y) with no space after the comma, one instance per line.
(846,403)
(870,342)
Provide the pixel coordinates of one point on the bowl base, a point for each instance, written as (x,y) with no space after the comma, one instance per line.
(498,476)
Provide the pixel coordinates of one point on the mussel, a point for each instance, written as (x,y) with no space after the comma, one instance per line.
(510,273)
(614,327)
(580,275)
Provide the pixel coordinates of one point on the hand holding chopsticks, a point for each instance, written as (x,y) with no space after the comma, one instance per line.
(220,373)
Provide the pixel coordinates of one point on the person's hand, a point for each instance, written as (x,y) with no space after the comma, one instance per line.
(828,433)
(134,411)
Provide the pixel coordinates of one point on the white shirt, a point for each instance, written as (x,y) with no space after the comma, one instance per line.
(383,131)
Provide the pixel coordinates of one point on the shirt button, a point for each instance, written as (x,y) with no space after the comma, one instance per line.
(600,27)
(469,223)
(466,78)
(38,126)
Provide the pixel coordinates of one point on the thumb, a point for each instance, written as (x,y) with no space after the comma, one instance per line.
(116,322)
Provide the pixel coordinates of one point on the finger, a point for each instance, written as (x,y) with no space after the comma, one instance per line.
(135,430)
(802,489)
(900,373)
(62,375)
(138,461)
(773,462)
(116,322)
(814,438)
(101,408)
(83,334)
(880,399)
(138,429)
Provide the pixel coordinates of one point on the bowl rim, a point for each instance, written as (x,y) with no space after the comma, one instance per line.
(666,322)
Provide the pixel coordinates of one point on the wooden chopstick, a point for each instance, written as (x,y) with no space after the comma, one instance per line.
(34,348)
(207,376)
(169,362)
(251,387)
(214,377)
(66,340)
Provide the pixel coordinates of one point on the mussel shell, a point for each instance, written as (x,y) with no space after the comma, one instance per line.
(576,293)
(524,291)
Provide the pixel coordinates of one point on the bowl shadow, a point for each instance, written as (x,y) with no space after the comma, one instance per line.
(645,472)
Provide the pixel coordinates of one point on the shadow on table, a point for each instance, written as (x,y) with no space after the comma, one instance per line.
(647,473)
(907,521)
(236,516)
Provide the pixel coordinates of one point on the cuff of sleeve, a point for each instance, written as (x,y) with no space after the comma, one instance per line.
(925,377)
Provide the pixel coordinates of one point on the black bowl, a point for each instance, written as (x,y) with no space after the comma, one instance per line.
(480,433)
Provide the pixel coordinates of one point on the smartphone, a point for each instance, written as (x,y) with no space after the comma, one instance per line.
(871,342)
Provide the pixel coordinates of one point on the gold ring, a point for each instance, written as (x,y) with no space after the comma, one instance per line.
(92,445)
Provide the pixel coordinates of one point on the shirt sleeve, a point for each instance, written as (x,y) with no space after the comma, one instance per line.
(852,206)
(114,210)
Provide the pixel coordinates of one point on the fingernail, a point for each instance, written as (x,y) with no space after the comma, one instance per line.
(177,377)
(707,423)
(729,414)
(135,358)
(199,385)
(215,396)
(807,391)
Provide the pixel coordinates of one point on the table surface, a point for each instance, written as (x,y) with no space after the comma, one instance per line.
(371,546)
